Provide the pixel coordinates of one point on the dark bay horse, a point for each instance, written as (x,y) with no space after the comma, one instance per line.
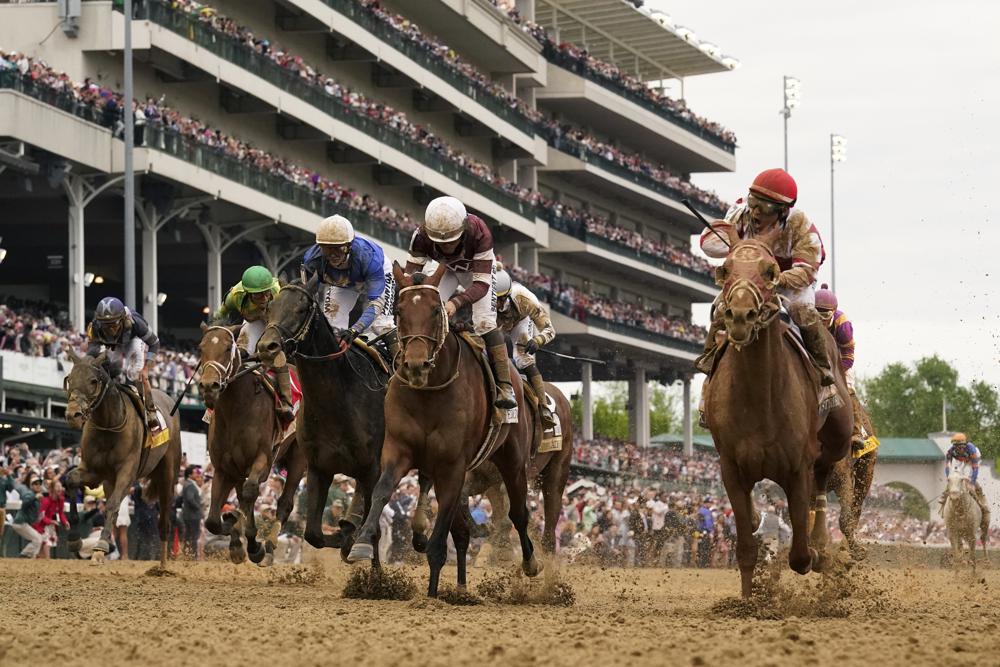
(341,422)
(242,440)
(111,450)
(763,412)
(548,470)
(436,416)
(851,479)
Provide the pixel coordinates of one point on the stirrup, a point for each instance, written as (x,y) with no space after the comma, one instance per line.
(548,419)
(502,400)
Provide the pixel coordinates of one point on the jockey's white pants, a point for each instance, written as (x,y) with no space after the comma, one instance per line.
(132,358)
(484,311)
(520,334)
(250,335)
(339,301)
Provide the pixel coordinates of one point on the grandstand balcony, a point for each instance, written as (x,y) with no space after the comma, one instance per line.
(181,45)
(595,102)
(362,36)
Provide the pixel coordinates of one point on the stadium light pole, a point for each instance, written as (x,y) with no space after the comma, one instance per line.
(838,153)
(793,96)
(129,138)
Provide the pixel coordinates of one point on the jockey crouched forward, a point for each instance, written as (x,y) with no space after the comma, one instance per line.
(130,345)
(838,324)
(768,215)
(521,317)
(464,244)
(248,300)
(351,268)
(963,451)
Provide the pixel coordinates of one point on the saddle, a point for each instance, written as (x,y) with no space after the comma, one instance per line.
(268,381)
(151,438)
(498,416)
(547,440)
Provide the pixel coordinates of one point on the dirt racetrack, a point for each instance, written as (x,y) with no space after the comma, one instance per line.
(896,611)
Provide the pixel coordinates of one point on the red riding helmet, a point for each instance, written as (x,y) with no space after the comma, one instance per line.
(825,299)
(776,185)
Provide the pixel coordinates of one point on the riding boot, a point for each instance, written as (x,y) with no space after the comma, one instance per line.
(815,343)
(147,398)
(706,360)
(702,419)
(538,384)
(284,409)
(497,348)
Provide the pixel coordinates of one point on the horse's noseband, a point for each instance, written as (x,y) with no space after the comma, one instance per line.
(225,372)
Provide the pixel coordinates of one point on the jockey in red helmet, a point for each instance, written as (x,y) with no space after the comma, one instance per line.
(767,214)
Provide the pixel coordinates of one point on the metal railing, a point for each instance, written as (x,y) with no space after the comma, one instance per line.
(240,54)
(364,18)
(557,57)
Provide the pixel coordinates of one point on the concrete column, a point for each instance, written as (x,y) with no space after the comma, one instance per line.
(586,402)
(528,258)
(75,262)
(149,307)
(638,398)
(213,248)
(688,424)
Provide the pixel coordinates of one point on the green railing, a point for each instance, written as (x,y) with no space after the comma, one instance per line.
(289,81)
(364,18)
(579,230)
(579,151)
(557,57)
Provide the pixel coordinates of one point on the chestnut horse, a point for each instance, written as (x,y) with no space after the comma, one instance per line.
(762,410)
(111,450)
(437,415)
(550,470)
(242,441)
(341,422)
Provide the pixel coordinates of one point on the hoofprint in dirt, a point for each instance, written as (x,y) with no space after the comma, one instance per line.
(619,616)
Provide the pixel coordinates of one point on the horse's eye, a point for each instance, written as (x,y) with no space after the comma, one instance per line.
(94,382)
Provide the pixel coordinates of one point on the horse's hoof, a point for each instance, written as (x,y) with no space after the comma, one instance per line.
(267,561)
(213,526)
(97,557)
(256,556)
(345,549)
(420,543)
(858,552)
(818,560)
(359,552)
(253,546)
(531,567)
(237,554)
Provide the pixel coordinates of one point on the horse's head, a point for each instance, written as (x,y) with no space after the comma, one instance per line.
(748,279)
(85,386)
(219,359)
(421,321)
(289,317)
(956,484)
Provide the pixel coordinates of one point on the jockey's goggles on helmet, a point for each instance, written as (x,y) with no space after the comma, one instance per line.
(336,253)
(260,297)
(763,205)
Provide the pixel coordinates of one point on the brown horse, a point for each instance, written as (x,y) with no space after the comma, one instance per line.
(549,471)
(112,449)
(763,411)
(437,415)
(242,439)
(851,480)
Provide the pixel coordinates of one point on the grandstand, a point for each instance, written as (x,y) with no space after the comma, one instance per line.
(256,120)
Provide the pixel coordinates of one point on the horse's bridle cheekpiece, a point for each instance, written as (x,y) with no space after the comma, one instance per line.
(437,341)
(290,344)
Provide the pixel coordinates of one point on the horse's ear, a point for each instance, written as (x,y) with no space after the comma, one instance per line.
(769,270)
(312,282)
(235,329)
(281,283)
(438,274)
(101,358)
(204,327)
(399,275)
(721,274)
(71,353)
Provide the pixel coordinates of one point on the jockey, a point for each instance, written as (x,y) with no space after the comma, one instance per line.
(963,451)
(351,268)
(464,244)
(130,345)
(843,333)
(768,214)
(248,300)
(521,317)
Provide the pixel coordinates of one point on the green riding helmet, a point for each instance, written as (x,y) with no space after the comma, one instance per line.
(257,279)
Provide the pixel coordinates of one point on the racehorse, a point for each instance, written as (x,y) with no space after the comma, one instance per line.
(763,411)
(341,422)
(242,440)
(437,416)
(549,470)
(851,479)
(114,451)
(962,515)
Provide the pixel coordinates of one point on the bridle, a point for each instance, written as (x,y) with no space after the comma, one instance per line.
(225,371)
(290,343)
(436,341)
(744,284)
(89,406)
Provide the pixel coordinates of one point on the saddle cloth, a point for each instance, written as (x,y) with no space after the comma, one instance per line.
(498,416)
(871,444)
(154,437)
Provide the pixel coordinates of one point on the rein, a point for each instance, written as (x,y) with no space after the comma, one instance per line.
(89,408)
(225,372)
(295,339)
(437,343)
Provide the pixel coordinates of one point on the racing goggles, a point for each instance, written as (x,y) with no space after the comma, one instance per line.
(763,205)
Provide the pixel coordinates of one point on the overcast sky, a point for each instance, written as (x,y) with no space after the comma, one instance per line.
(915,88)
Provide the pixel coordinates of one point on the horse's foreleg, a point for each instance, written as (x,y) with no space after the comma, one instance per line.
(295,465)
(515,479)
(221,487)
(553,484)
(460,527)
(317,488)
(248,498)
(74,483)
(119,487)
(395,464)
(843,485)
(502,549)
(746,543)
(421,520)
(449,495)
(820,538)
(800,558)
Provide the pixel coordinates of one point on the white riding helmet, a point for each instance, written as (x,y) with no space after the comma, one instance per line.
(335,230)
(444,220)
(501,283)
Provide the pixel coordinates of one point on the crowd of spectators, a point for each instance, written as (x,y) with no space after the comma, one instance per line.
(584,306)
(578,59)
(701,470)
